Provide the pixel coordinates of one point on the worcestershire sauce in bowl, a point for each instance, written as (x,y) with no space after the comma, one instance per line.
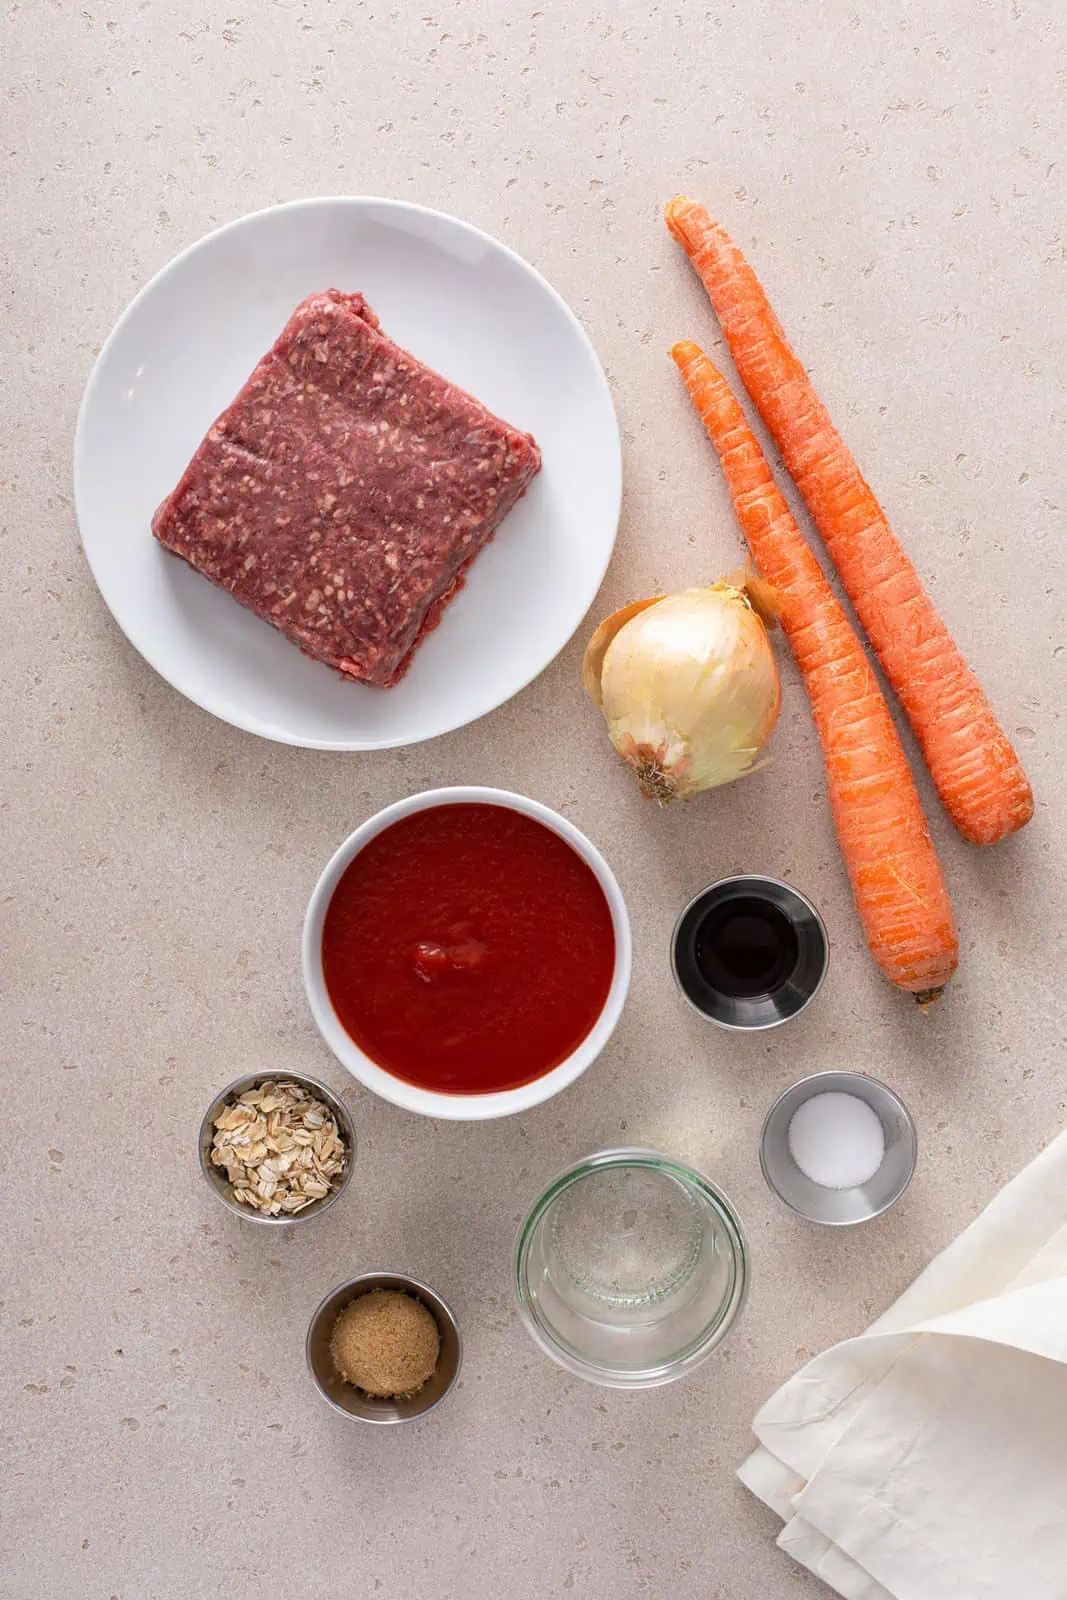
(745,947)
(749,952)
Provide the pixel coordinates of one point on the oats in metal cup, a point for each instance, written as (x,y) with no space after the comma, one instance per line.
(280,1147)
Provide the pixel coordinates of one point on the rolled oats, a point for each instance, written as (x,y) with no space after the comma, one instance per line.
(280,1147)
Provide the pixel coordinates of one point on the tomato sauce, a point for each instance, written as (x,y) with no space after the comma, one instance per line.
(468,948)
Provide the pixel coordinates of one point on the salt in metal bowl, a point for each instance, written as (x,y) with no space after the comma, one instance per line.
(839,1208)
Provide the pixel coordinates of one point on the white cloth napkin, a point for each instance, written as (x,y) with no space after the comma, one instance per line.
(927,1459)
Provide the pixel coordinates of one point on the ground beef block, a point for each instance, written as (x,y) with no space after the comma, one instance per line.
(345,491)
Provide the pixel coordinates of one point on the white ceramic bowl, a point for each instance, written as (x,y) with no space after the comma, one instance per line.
(462,1107)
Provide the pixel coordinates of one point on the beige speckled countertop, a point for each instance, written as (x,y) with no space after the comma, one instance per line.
(898,175)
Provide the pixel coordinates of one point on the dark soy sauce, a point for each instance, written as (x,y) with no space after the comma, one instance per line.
(745,947)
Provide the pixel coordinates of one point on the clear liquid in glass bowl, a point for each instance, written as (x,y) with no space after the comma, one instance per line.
(630,1269)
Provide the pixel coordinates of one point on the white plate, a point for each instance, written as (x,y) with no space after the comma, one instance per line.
(460,301)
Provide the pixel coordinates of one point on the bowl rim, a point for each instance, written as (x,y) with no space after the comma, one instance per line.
(249,1080)
(840,1075)
(699,1350)
(435,1303)
(433,1103)
(755,878)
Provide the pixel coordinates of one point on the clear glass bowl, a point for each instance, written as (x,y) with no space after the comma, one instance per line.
(630,1269)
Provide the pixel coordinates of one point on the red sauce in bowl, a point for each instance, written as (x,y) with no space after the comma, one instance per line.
(468,948)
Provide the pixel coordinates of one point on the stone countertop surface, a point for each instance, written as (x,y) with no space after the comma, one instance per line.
(898,177)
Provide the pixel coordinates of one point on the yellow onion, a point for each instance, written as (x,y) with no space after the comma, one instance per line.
(688,684)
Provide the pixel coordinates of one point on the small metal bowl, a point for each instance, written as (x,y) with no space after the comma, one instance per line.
(751,1013)
(369,1408)
(217,1178)
(839,1208)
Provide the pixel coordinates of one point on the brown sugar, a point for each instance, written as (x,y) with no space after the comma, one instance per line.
(385,1343)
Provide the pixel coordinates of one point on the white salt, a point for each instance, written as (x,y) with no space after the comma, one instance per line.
(836,1140)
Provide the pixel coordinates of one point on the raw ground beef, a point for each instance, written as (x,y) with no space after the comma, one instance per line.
(345,491)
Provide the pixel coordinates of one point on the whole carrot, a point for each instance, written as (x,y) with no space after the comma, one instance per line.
(896,876)
(974,767)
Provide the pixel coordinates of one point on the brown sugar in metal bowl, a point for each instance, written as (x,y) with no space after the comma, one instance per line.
(386,1343)
(356,1403)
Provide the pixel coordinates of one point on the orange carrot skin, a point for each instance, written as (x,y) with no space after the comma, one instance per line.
(971,760)
(896,876)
